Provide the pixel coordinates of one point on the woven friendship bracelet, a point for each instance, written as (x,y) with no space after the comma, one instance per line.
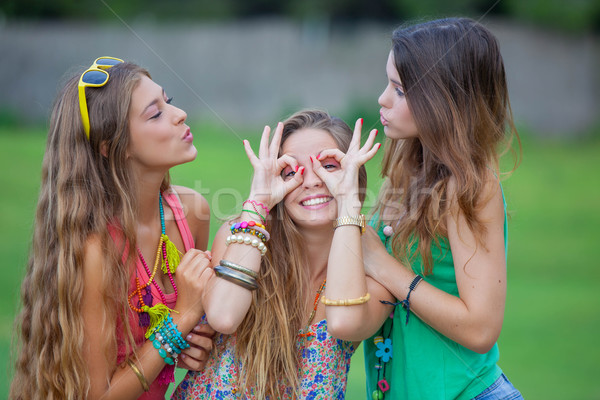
(406,302)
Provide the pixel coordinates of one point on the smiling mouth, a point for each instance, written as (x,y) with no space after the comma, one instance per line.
(316,201)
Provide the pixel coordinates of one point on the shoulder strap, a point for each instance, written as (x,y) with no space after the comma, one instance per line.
(174,202)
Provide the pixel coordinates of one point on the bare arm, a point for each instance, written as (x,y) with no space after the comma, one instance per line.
(227,303)
(474,319)
(197,213)
(346,277)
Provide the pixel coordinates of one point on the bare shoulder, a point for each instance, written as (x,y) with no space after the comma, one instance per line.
(193,201)
(197,214)
(489,199)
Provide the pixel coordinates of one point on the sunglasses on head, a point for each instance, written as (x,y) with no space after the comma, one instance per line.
(94,76)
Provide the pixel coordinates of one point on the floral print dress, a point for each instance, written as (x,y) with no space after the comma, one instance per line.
(323,369)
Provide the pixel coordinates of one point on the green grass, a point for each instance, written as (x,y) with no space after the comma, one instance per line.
(549,342)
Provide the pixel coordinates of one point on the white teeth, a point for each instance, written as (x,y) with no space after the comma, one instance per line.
(315,201)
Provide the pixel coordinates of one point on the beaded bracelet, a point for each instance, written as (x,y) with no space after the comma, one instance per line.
(260,246)
(171,327)
(167,339)
(253,228)
(238,278)
(239,268)
(346,302)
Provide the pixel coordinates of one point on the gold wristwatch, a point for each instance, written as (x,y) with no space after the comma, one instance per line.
(359,221)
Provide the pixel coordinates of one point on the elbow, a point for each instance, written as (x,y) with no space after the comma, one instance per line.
(483,341)
(222,322)
(482,347)
(341,328)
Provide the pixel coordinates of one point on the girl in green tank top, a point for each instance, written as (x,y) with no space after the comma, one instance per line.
(438,240)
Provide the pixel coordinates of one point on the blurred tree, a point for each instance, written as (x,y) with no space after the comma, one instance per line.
(572,15)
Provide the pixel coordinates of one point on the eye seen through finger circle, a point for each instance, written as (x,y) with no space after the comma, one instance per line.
(287,173)
(330,164)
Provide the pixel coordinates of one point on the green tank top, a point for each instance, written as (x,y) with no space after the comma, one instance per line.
(424,364)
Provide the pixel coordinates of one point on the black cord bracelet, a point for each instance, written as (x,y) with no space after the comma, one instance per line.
(406,302)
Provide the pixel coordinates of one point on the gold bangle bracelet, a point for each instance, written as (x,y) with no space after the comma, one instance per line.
(346,302)
(139,375)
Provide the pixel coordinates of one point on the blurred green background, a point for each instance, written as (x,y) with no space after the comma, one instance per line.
(548,344)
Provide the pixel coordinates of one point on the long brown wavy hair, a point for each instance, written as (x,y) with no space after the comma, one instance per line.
(86,185)
(266,339)
(454,81)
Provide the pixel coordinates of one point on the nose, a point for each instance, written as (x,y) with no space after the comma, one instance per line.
(383,99)
(180,116)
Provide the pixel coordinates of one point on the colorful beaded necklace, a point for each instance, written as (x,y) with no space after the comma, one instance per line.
(306,333)
(151,316)
(383,342)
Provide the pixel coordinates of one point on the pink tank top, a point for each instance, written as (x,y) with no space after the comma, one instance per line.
(157,390)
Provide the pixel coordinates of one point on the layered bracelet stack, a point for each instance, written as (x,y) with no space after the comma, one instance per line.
(237,274)
(249,233)
(255,209)
(253,228)
(167,339)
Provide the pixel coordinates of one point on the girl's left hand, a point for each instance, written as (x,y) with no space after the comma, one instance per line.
(343,182)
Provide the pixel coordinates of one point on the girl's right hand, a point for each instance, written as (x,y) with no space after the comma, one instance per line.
(193,273)
(374,252)
(268,186)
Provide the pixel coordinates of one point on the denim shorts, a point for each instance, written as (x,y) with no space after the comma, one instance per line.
(502,389)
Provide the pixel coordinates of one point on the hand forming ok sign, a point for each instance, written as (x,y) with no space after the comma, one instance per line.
(268,186)
(343,182)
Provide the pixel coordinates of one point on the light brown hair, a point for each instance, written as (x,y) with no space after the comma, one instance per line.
(453,77)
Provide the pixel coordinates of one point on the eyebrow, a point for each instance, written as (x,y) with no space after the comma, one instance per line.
(396,83)
(295,158)
(152,103)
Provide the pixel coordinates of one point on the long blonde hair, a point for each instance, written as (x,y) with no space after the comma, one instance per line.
(86,186)
(454,81)
(266,339)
